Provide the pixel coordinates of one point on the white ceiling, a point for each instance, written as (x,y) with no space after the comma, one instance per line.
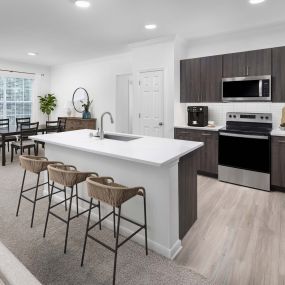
(60,32)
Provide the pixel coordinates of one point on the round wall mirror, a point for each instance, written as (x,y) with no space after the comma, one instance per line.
(80,97)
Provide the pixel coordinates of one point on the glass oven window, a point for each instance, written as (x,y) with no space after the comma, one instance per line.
(245,153)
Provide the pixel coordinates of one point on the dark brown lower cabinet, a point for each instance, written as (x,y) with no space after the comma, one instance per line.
(278,163)
(208,162)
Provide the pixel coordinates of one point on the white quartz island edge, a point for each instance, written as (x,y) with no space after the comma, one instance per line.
(147,150)
(149,162)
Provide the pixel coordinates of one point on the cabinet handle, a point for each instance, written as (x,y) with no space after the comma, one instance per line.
(281,141)
(247,70)
(208,135)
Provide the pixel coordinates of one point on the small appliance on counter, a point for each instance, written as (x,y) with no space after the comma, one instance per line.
(197,116)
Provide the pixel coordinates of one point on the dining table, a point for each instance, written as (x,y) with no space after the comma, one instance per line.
(14,131)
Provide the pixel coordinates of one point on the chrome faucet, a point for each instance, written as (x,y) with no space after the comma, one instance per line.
(112,121)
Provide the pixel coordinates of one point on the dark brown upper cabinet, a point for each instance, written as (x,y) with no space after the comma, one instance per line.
(259,62)
(250,63)
(234,64)
(190,77)
(201,79)
(211,79)
(278,74)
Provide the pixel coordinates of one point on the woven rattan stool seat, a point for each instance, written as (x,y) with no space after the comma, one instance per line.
(106,190)
(35,164)
(67,175)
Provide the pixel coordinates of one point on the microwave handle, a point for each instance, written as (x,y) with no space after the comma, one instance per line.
(260,88)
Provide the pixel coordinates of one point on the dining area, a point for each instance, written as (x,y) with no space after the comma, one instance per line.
(15,138)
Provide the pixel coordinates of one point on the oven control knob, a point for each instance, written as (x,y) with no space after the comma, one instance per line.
(235,116)
(261,117)
(267,118)
(230,116)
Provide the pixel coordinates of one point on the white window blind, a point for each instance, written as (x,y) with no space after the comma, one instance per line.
(15,98)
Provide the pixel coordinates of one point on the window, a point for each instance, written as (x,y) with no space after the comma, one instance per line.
(15,98)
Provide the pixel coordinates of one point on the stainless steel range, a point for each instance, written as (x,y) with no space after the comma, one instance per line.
(244,150)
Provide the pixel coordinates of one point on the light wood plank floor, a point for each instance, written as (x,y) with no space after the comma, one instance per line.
(239,237)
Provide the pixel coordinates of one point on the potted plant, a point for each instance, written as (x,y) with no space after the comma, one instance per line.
(86,113)
(47,104)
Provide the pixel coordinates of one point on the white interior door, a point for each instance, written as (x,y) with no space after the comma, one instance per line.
(151,107)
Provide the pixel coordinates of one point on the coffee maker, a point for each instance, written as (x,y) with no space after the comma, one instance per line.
(197,116)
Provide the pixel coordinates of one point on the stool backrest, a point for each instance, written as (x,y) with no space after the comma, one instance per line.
(104,189)
(4,123)
(52,126)
(20,121)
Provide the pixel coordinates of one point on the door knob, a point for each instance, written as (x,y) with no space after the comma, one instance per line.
(160,123)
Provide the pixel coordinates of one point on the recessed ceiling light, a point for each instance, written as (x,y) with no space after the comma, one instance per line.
(82,3)
(256,1)
(150,27)
(32,53)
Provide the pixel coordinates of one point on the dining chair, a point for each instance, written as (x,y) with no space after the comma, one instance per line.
(52,126)
(27,129)
(5,124)
(62,124)
(20,121)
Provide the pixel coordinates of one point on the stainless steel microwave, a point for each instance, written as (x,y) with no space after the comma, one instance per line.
(246,89)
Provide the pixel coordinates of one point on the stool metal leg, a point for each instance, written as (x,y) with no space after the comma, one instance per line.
(114,221)
(35,200)
(22,188)
(49,205)
(99,206)
(65,202)
(145,223)
(68,220)
(77,210)
(116,249)
(86,234)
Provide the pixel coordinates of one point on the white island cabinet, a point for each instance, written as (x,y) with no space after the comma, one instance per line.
(165,167)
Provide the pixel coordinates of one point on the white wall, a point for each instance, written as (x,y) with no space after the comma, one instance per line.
(152,57)
(235,42)
(97,76)
(41,84)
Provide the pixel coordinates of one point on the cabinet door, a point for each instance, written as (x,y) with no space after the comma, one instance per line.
(234,64)
(211,78)
(258,62)
(277,161)
(190,75)
(209,155)
(278,74)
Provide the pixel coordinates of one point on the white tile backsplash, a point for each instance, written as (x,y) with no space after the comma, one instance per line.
(217,111)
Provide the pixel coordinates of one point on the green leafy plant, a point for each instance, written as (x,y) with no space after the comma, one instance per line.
(87,105)
(47,103)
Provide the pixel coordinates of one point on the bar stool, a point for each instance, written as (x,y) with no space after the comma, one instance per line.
(37,165)
(68,176)
(104,189)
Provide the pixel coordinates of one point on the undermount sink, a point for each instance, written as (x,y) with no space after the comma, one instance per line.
(120,137)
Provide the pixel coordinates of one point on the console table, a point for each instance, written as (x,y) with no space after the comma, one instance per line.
(75,123)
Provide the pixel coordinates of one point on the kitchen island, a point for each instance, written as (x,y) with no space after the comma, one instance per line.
(167,169)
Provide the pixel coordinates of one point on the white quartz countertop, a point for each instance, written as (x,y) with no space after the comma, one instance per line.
(278,132)
(216,128)
(148,150)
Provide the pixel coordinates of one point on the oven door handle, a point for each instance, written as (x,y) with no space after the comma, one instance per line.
(245,136)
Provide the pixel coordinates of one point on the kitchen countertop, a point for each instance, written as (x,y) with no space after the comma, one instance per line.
(216,128)
(278,132)
(148,150)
